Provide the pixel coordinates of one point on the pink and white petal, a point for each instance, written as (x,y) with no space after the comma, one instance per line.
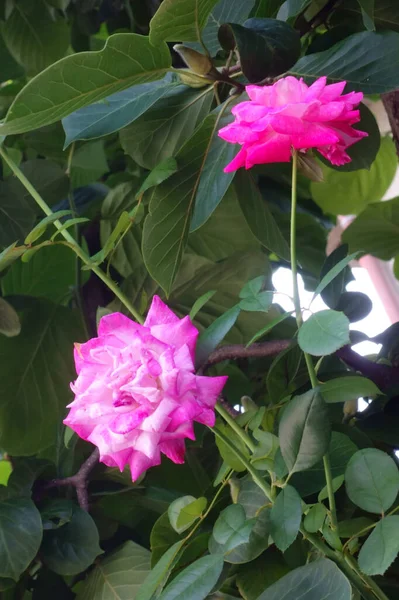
(324,112)
(118,459)
(181,332)
(120,326)
(286,124)
(159,314)
(159,420)
(261,94)
(249,112)
(147,443)
(238,134)
(314,91)
(336,155)
(289,90)
(140,463)
(209,389)
(238,161)
(276,148)
(315,136)
(126,422)
(183,359)
(332,92)
(174,450)
(207,417)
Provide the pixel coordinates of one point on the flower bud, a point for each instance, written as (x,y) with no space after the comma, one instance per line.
(198,63)
(193,80)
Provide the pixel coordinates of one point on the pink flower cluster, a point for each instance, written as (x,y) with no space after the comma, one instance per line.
(289,114)
(137,395)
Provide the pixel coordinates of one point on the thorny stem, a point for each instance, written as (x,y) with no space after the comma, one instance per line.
(80,480)
(236,351)
(67,236)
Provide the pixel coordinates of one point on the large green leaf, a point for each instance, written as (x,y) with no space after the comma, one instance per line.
(254,577)
(72,548)
(368,61)
(225,11)
(169,216)
(224,233)
(376,230)
(348,193)
(36,368)
(115,112)
(89,163)
(258,216)
(118,576)
(48,177)
(318,580)
(215,334)
(267,47)
(180,20)
(304,431)
(343,389)
(157,577)
(33,37)
(16,215)
(285,517)
(162,130)
(386,13)
(196,581)
(372,480)
(127,59)
(20,536)
(381,547)
(324,332)
(10,69)
(36,277)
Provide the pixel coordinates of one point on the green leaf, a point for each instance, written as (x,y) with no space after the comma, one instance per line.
(368,61)
(333,273)
(49,179)
(41,227)
(180,20)
(304,431)
(230,457)
(119,574)
(267,47)
(156,578)
(286,373)
(56,513)
(214,334)
(376,230)
(381,547)
(36,277)
(367,8)
(318,580)
(127,59)
(115,112)
(354,527)
(196,581)
(169,217)
(254,297)
(20,536)
(336,484)
(73,547)
(36,368)
(285,517)
(184,511)
(258,215)
(315,518)
(372,480)
(33,37)
(162,537)
(324,332)
(343,389)
(269,327)
(16,215)
(10,324)
(200,302)
(10,69)
(348,193)
(89,163)
(214,183)
(10,255)
(333,291)
(254,577)
(291,8)
(158,175)
(224,11)
(70,223)
(162,130)
(230,529)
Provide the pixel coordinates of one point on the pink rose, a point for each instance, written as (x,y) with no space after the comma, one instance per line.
(137,394)
(289,114)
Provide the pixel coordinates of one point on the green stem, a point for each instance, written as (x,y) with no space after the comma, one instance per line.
(264,486)
(235,426)
(299,320)
(67,236)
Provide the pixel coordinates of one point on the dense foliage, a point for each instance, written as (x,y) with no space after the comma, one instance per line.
(112,190)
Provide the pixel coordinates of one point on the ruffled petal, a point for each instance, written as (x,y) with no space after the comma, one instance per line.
(277,148)
(159,314)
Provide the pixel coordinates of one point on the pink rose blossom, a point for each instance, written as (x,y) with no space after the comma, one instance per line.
(289,114)
(137,395)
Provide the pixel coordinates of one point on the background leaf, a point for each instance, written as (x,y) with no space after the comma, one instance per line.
(343,389)
(381,547)
(188,18)
(196,581)
(285,517)
(324,332)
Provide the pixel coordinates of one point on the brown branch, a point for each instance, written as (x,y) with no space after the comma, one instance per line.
(391,105)
(236,351)
(80,480)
